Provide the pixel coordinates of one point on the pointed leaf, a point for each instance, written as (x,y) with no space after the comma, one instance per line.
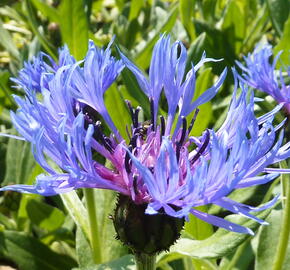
(30,254)
(18,166)
(268,242)
(74,27)
(117,109)
(186,10)
(203,82)
(7,42)
(77,211)
(47,10)
(111,248)
(219,244)
(143,58)
(45,216)
(284,45)
(279,13)
(83,250)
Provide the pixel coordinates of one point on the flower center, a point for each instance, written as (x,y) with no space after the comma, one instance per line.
(92,117)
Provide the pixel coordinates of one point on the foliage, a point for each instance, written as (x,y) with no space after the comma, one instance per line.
(53,233)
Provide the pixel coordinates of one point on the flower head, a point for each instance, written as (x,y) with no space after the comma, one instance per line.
(261,74)
(162,166)
(37,73)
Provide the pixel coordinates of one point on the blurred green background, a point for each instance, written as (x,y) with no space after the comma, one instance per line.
(52,233)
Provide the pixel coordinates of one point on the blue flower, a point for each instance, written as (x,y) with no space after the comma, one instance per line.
(261,74)
(162,165)
(36,74)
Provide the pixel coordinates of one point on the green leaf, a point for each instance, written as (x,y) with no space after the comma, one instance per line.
(22,216)
(216,44)
(74,27)
(255,29)
(30,254)
(203,82)
(47,10)
(240,260)
(19,162)
(45,216)
(234,28)
(208,10)
(279,13)
(5,91)
(88,4)
(186,10)
(130,34)
(12,13)
(77,211)
(135,8)
(124,263)
(111,248)
(284,44)
(133,90)
(202,120)
(117,109)
(35,28)
(221,243)
(195,51)
(7,42)
(197,228)
(279,248)
(143,58)
(83,250)
(268,242)
(7,222)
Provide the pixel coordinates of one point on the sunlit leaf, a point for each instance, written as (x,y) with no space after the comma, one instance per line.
(77,211)
(74,27)
(7,42)
(144,56)
(83,250)
(35,28)
(186,9)
(203,82)
(234,28)
(117,109)
(219,244)
(45,216)
(284,45)
(268,242)
(19,162)
(47,10)
(135,8)
(110,247)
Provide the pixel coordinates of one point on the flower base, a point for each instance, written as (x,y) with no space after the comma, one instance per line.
(144,234)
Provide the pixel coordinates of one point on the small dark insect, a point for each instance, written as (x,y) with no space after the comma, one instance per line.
(143,128)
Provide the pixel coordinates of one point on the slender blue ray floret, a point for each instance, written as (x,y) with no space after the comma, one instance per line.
(63,114)
(37,73)
(261,74)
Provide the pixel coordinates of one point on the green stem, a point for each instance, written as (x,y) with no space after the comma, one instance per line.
(237,255)
(95,241)
(145,261)
(285,229)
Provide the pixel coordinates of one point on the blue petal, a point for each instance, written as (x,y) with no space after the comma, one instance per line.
(237,209)
(220,222)
(208,94)
(141,78)
(256,180)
